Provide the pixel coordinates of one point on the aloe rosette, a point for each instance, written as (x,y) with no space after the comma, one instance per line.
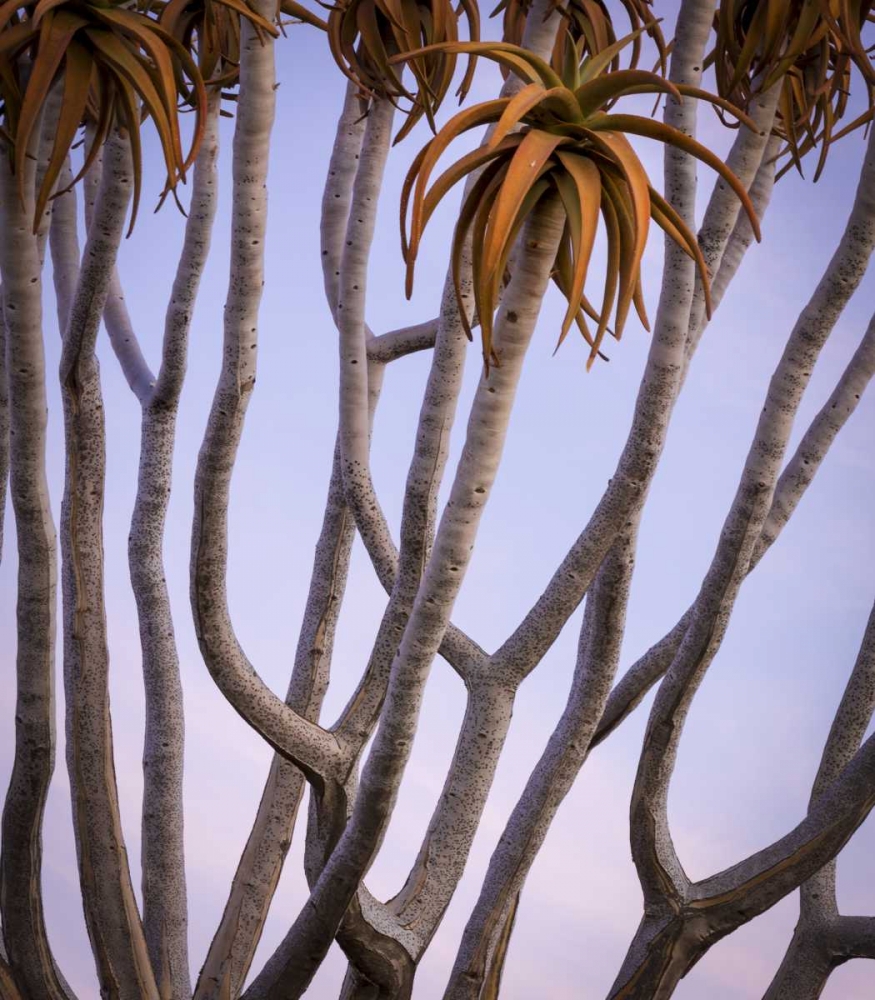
(555,135)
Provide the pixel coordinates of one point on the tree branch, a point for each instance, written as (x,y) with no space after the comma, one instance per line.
(397,344)
(292,966)
(300,740)
(24,415)
(654,855)
(110,906)
(598,654)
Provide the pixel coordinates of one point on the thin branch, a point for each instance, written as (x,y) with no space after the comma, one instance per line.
(165,903)
(823,939)
(395,344)
(116,317)
(742,235)
(817,440)
(601,638)
(724,209)
(337,194)
(797,476)
(110,906)
(24,434)
(233,946)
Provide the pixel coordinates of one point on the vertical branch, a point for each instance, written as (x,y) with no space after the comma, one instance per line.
(337,195)
(292,966)
(742,235)
(64,246)
(21,907)
(660,384)
(665,885)
(165,905)
(110,907)
(723,213)
(598,655)
(354,430)
(281,726)
(820,941)
(258,871)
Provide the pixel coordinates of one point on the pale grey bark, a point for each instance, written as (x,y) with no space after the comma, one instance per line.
(165,907)
(723,213)
(661,382)
(816,442)
(598,655)
(667,891)
(302,741)
(823,938)
(385,941)
(481,953)
(337,195)
(293,964)
(742,235)
(165,916)
(111,911)
(30,961)
(797,476)
(399,343)
(233,946)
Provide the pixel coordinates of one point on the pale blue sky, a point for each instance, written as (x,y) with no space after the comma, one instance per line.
(756,729)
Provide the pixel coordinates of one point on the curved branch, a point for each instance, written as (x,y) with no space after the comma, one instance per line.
(757,883)
(651,842)
(797,476)
(742,235)
(233,947)
(824,939)
(337,194)
(300,740)
(110,906)
(723,213)
(817,440)
(165,903)
(292,966)
(24,395)
(601,638)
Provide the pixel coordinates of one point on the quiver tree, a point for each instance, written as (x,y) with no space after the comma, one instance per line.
(558,187)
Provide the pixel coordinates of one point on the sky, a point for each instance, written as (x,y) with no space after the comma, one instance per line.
(756,729)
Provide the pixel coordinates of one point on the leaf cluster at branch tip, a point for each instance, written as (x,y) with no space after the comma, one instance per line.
(556,135)
(368,36)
